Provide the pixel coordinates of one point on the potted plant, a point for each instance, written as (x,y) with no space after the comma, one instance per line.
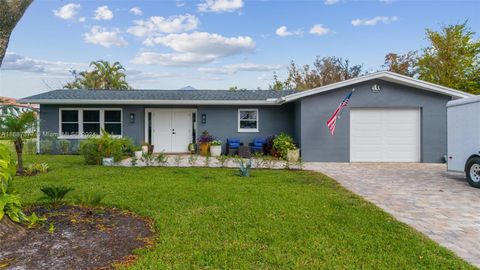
(215,148)
(138,153)
(293,155)
(204,142)
(145,147)
(283,144)
(192,148)
(106,146)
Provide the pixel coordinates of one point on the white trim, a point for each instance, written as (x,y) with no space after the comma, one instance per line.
(80,121)
(151,102)
(463,101)
(248,129)
(384,75)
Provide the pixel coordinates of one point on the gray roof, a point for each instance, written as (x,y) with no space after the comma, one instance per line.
(64,95)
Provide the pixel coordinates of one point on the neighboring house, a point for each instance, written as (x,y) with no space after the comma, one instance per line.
(390,117)
(10,106)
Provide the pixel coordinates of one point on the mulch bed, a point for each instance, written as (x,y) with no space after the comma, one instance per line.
(83,238)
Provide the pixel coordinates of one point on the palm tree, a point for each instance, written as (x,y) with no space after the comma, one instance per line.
(16,128)
(103,76)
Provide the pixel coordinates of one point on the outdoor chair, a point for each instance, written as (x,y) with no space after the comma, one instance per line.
(258,145)
(232,146)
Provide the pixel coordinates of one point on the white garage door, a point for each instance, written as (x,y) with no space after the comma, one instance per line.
(384,135)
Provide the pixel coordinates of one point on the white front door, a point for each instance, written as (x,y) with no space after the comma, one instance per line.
(384,135)
(171,129)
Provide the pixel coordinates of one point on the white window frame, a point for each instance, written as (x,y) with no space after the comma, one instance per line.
(248,129)
(80,122)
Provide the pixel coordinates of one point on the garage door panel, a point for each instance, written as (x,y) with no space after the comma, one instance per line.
(384,135)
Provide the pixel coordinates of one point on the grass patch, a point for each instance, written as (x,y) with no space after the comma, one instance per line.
(210,218)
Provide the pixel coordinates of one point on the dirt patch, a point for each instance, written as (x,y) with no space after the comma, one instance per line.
(82,239)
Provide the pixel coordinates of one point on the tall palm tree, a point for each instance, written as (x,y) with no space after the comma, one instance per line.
(103,76)
(16,128)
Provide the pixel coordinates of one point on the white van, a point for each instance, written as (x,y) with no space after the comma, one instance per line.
(463,138)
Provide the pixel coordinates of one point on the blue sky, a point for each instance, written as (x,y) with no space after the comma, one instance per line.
(213,44)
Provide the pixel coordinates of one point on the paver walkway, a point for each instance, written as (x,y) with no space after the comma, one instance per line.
(439,204)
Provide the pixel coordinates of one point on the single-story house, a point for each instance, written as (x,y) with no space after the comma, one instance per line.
(390,117)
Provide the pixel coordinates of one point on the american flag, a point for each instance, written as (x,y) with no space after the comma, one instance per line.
(332,122)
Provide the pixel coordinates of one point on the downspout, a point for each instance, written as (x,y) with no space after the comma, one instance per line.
(38,131)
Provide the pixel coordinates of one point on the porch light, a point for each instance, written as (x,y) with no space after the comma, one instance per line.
(204,118)
(132,118)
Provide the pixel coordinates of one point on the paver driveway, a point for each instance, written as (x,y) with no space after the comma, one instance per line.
(439,204)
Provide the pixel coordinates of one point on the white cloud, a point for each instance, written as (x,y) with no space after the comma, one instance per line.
(234,68)
(157,25)
(219,6)
(99,35)
(67,12)
(319,29)
(103,13)
(282,31)
(18,62)
(172,59)
(386,1)
(205,43)
(194,48)
(81,19)
(374,21)
(136,11)
(330,2)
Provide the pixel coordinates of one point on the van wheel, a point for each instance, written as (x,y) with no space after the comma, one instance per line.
(472,170)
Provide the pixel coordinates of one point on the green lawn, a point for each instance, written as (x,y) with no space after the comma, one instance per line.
(210,218)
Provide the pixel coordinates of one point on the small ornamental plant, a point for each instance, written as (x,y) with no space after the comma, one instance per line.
(282,143)
(216,142)
(205,138)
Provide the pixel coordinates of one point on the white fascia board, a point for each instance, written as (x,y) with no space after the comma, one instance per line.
(149,102)
(383,75)
(462,101)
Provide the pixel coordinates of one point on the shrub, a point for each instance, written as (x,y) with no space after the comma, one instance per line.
(63,146)
(46,146)
(10,205)
(36,168)
(282,143)
(244,170)
(55,194)
(94,149)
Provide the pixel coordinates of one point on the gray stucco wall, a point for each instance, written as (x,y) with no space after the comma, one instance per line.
(319,145)
(49,125)
(222,122)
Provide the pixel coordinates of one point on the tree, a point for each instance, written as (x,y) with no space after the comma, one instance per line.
(11,11)
(325,71)
(103,76)
(452,59)
(404,64)
(16,128)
